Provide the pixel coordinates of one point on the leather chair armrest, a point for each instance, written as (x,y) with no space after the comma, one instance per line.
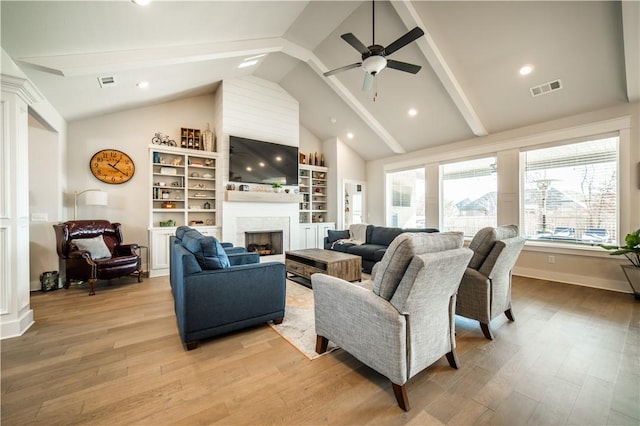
(126,249)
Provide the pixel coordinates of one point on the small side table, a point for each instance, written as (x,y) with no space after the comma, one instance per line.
(145,270)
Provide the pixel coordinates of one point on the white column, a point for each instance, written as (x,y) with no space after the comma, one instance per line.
(16,315)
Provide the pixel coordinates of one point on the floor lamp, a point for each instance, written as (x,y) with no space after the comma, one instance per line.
(95,197)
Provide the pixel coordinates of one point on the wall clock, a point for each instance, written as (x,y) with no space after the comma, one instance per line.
(112,166)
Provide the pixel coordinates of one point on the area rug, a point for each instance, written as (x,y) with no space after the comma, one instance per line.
(298,327)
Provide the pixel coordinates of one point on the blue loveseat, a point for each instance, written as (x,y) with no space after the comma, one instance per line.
(378,238)
(216,292)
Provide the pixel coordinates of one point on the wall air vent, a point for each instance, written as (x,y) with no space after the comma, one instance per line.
(107,81)
(545,88)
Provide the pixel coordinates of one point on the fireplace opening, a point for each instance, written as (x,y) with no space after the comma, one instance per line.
(265,243)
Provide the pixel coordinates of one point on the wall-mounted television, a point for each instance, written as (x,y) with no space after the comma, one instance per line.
(253,161)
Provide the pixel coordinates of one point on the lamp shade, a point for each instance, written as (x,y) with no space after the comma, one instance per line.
(97,198)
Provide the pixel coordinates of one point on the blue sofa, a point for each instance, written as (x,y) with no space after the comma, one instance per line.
(378,238)
(216,292)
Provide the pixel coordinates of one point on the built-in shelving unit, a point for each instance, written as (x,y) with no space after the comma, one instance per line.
(183,192)
(313,188)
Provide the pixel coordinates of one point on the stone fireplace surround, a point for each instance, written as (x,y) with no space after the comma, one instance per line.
(241,217)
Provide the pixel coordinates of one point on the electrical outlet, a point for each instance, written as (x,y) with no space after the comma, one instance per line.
(551,259)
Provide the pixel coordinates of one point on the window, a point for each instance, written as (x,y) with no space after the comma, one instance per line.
(469,195)
(570,192)
(407,203)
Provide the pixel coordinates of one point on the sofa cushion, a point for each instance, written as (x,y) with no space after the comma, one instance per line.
(396,259)
(333,236)
(365,251)
(482,243)
(207,250)
(383,235)
(95,246)
(342,247)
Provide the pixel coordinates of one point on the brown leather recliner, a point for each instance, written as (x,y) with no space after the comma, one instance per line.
(120,260)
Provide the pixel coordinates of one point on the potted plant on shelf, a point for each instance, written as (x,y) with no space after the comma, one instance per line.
(631,250)
(277,187)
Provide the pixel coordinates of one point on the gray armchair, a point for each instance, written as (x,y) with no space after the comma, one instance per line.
(485,290)
(402,320)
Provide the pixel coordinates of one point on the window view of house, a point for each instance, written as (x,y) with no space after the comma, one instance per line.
(570,192)
(469,195)
(407,196)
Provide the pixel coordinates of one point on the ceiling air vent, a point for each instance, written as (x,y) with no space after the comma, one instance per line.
(545,88)
(107,81)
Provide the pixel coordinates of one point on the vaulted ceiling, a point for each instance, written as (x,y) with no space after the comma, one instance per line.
(468,86)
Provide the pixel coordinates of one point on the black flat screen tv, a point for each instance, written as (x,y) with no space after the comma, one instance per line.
(253,161)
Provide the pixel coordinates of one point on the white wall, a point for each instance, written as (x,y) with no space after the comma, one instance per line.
(44,199)
(587,266)
(309,142)
(131,132)
(344,163)
(262,110)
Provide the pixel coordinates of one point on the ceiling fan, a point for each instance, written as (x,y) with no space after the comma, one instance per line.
(374,57)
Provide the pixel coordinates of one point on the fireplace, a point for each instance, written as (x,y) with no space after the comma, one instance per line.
(265,243)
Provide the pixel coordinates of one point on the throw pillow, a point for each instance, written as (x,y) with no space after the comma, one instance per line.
(207,250)
(95,246)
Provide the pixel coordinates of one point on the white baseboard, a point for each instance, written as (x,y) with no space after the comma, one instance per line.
(574,279)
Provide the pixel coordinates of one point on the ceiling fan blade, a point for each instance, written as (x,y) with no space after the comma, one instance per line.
(368,81)
(404,40)
(403,66)
(346,67)
(355,43)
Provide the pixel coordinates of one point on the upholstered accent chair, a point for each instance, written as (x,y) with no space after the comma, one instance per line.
(485,290)
(93,250)
(403,320)
(216,291)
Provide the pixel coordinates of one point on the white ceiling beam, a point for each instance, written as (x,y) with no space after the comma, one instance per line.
(631,37)
(105,62)
(340,89)
(427,45)
(108,62)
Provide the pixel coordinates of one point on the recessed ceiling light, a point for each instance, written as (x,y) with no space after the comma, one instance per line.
(526,70)
(142,84)
(249,169)
(261,164)
(248,63)
(413,112)
(333,120)
(350,135)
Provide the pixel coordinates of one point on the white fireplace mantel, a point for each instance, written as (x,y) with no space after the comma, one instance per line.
(262,197)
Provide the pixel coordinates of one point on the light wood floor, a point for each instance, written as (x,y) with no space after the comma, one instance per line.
(571,357)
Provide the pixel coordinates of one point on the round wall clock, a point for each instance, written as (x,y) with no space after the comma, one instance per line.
(112,166)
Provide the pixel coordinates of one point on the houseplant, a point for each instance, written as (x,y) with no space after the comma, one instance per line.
(631,250)
(277,187)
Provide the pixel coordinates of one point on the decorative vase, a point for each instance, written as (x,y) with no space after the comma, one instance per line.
(633,276)
(209,140)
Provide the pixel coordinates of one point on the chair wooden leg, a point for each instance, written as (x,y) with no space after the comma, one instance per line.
(92,284)
(400,391)
(452,357)
(509,314)
(486,330)
(278,320)
(191,345)
(321,344)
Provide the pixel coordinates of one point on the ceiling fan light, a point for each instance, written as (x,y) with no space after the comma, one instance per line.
(374,64)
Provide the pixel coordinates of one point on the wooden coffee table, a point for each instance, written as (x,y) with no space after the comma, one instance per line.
(304,263)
